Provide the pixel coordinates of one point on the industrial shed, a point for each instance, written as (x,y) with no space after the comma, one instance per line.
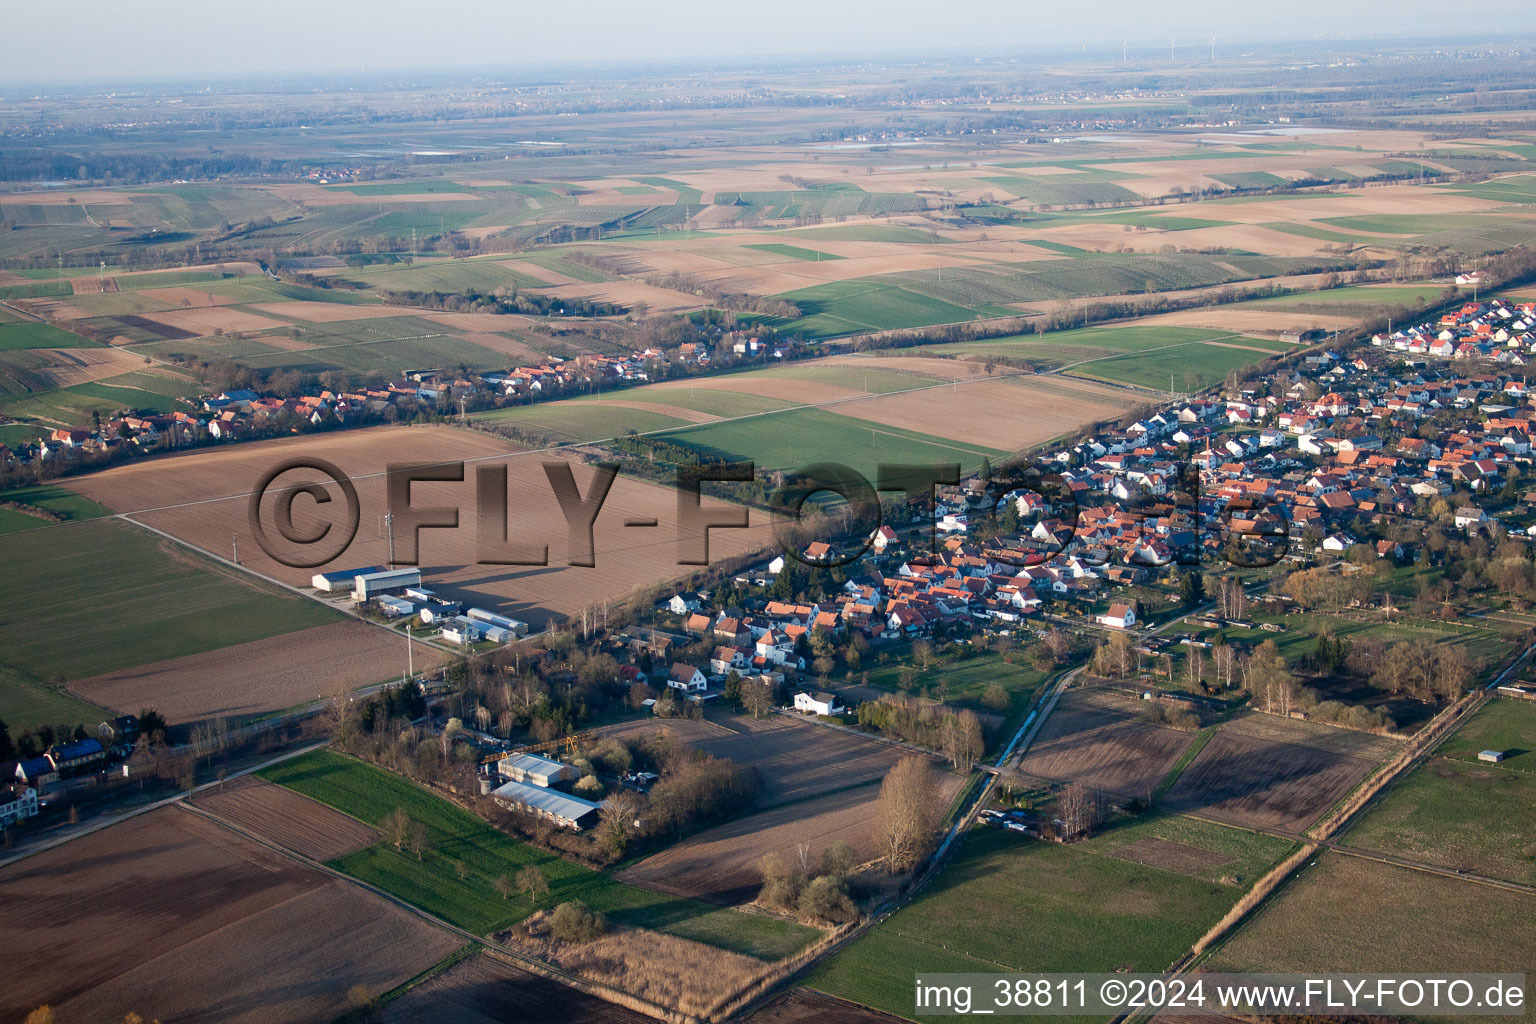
(369,585)
(535,770)
(565,810)
(343,580)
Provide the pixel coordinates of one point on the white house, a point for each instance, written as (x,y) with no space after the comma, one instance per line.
(687,679)
(1119,616)
(818,702)
(775,648)
(17,803)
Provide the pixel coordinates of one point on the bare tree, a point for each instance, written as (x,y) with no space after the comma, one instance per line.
(964,742)
(757,698)
(417,840)
(504,886)
(1081,810)
(397,826)
(1194,666)
(531,881)
(616,821)
(909,812)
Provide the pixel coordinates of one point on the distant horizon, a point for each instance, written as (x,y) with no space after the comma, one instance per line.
(165,41)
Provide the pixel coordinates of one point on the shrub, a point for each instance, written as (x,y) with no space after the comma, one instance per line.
(576,922)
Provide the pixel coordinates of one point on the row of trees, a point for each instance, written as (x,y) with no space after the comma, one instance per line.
(958,734)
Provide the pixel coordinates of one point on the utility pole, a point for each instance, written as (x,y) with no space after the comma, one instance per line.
(1170,49)
(410,662)
(1125,51)
(1213,47)
(234,540)
(389,528)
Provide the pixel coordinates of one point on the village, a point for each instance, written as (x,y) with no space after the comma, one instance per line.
(240,414)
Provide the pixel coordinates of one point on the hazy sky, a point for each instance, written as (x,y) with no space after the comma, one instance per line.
(136,39)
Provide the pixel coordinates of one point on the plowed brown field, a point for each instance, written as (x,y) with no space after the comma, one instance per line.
(172,916)
(261,676)
(289,819)
(201,497)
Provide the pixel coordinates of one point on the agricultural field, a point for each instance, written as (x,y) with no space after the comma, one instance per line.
(805,1006)
(254,936)
(1101,741)
(801,437)
(1456,812)
(295,822)
(797,759)
(199,497)
(458,837)
(1002,902)
(1267,774)
(166,603)
(51,498)
(258,677)
(720,864)
(1346,913)
(486,989)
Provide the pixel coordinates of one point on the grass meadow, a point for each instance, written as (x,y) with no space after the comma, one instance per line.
(459,837)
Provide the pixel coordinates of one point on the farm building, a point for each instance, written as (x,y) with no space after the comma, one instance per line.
(1303,337)
(818,702)
(326,582)
(395,607)
(37,771)
(76,755)
(561,808)
(513,626)
(534,770)
(369,585)
(1491,756)
(1519,691)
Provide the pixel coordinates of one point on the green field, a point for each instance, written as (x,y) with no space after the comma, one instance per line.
(868,304)
(1005,902)
(448,276)
(575,422)
(1456,812)
(872,233)
(1348,914)
(456,835)
(799,437)
(709,401)
(25,704)
(965,681)
(1059,347)
(47,496)
(105,595)
(1483,642)
(35,335)
(794,252)
(1186,368)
